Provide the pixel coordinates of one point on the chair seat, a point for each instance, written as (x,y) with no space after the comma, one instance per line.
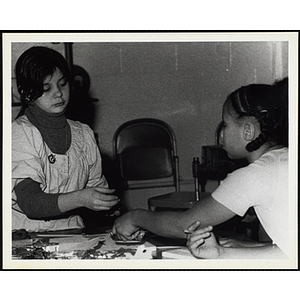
(145,154)
(176,200)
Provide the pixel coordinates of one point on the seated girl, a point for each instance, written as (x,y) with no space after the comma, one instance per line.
(56,163)
(255,128)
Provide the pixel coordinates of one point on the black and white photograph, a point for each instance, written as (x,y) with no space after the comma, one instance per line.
(150,151)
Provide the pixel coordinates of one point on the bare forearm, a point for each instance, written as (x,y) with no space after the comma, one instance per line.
(241,243)
(262,252)
(203,244)
(168,224)
(172,223)
(69,201)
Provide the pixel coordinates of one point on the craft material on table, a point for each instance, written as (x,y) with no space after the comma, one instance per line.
(90,246)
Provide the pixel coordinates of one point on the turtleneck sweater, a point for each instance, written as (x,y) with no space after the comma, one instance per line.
(54,128)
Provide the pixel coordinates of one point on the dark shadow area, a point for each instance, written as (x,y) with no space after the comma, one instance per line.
(105,218)
(81,105)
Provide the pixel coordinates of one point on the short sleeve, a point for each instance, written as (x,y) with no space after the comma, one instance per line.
(242,189)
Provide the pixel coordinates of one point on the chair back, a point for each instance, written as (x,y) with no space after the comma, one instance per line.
(215,161)
(145,152)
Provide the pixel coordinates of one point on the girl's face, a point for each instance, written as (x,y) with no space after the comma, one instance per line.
(56,93)
(232,136)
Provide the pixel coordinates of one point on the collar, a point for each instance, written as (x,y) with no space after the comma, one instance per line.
(42,118)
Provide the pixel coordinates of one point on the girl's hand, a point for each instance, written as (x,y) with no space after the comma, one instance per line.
(124,227)
(202,243)
(98,198)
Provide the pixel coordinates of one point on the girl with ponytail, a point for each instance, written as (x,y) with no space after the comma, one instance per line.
(255,119)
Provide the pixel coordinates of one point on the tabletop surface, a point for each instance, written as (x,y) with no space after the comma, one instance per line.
(95,244)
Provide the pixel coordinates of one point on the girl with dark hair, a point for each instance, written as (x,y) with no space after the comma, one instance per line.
(258,114)
(56,163)
(255,127)
(32,67)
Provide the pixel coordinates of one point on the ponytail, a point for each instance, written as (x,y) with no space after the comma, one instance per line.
(269,105)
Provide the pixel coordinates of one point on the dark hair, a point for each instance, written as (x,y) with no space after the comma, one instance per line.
(269,105)
(32,67)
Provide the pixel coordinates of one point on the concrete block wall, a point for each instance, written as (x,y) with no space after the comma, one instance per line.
(183,84)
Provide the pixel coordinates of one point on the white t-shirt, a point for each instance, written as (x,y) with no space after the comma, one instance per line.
(264,185)
(80,167)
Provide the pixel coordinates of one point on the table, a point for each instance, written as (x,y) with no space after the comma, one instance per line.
(95,244)
(176,200)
